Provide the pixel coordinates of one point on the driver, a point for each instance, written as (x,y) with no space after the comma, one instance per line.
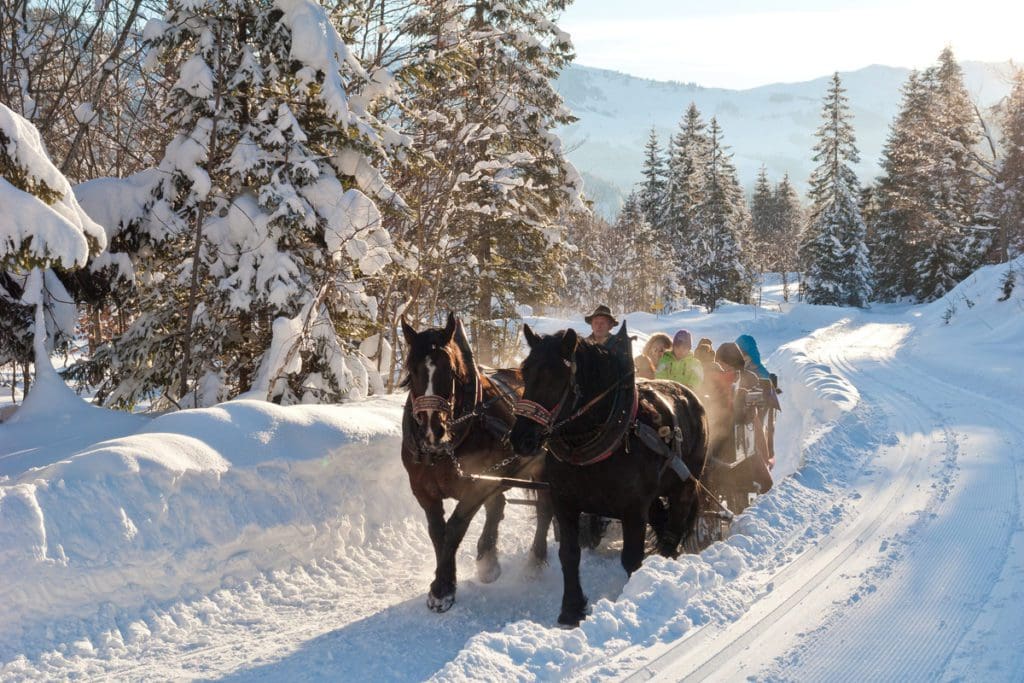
(601,322)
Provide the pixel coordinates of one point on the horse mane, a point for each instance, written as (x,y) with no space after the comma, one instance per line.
(596,371)
(595,367)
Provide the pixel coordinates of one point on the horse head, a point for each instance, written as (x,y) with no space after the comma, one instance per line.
(549,380)
(438,363)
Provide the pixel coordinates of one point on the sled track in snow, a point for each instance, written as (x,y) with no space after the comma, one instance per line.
(881,536)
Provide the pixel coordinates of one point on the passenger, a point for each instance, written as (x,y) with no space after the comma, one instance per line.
(601,322)
(751,356)
(647,362)
(704,353)
(679,365)
(730,358)
(764,414)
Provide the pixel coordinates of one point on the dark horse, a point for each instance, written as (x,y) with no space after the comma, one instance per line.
(454,426)
(611,448)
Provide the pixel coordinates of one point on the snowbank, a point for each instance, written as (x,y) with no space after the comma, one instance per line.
(189,501)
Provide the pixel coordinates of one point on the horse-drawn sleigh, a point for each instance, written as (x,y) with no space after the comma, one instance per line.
(574,425)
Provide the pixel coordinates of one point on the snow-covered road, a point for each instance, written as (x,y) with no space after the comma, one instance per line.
(923,579)
(891,548)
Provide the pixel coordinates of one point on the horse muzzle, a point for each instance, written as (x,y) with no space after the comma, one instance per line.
(526,437)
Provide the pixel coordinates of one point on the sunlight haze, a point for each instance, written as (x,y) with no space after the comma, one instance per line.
(739,44)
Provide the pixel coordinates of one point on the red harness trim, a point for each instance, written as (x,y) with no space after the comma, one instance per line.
(422,404)
(532,410)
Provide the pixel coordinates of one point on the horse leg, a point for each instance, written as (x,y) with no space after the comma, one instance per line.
(592,528)
(574,602)
(442,589)
(539,548)
(434,509)
(657,518)
(488,569)
(683,512)
(634,532)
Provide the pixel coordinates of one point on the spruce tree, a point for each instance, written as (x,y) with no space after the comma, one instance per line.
(788,223)
(903,194)
(652,195)
(43,234)
(637,269)
(950,249)
(491,182)
(763,218)
(1008,199)
(687,161)
(261,230)
(833,250)
(718,269)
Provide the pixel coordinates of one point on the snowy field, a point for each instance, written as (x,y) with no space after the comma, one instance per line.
(254,542)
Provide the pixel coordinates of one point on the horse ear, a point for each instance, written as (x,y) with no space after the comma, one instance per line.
(462,342)
(449,329)
(569,343)
(531,336)
(408,332)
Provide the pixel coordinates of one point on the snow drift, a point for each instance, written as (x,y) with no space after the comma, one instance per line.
(187,501)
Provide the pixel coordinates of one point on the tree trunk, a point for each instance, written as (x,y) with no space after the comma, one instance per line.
(485,335)
(193,292)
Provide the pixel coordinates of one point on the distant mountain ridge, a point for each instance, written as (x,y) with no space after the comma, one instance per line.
(772,124)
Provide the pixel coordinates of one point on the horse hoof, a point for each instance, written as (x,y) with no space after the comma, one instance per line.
(440,604)
(488,569)
(535,567)
(572,618)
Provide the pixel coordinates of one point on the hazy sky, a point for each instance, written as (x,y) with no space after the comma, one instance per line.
(745,43)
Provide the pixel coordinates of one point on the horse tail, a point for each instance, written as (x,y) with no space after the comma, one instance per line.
(697,427)
(695,457)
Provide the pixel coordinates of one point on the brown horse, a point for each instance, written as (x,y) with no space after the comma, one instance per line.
(454,426)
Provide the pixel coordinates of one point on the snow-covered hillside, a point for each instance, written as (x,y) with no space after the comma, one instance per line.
(772,125)
(251,541)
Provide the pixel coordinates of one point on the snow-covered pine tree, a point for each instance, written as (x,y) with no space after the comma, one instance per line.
(652,194)
(902,194)
(833,250)
(718,269)
(43,228)
(633,262)
(262,236)
(949,248)
(502,183)
(687,160)
(763,222)
(1008,201)
(587,277)
(788,223)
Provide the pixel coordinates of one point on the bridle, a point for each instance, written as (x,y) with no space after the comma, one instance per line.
(432,403)
(534,411)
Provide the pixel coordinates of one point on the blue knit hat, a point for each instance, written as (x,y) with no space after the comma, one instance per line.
(682,337)
(749,346)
